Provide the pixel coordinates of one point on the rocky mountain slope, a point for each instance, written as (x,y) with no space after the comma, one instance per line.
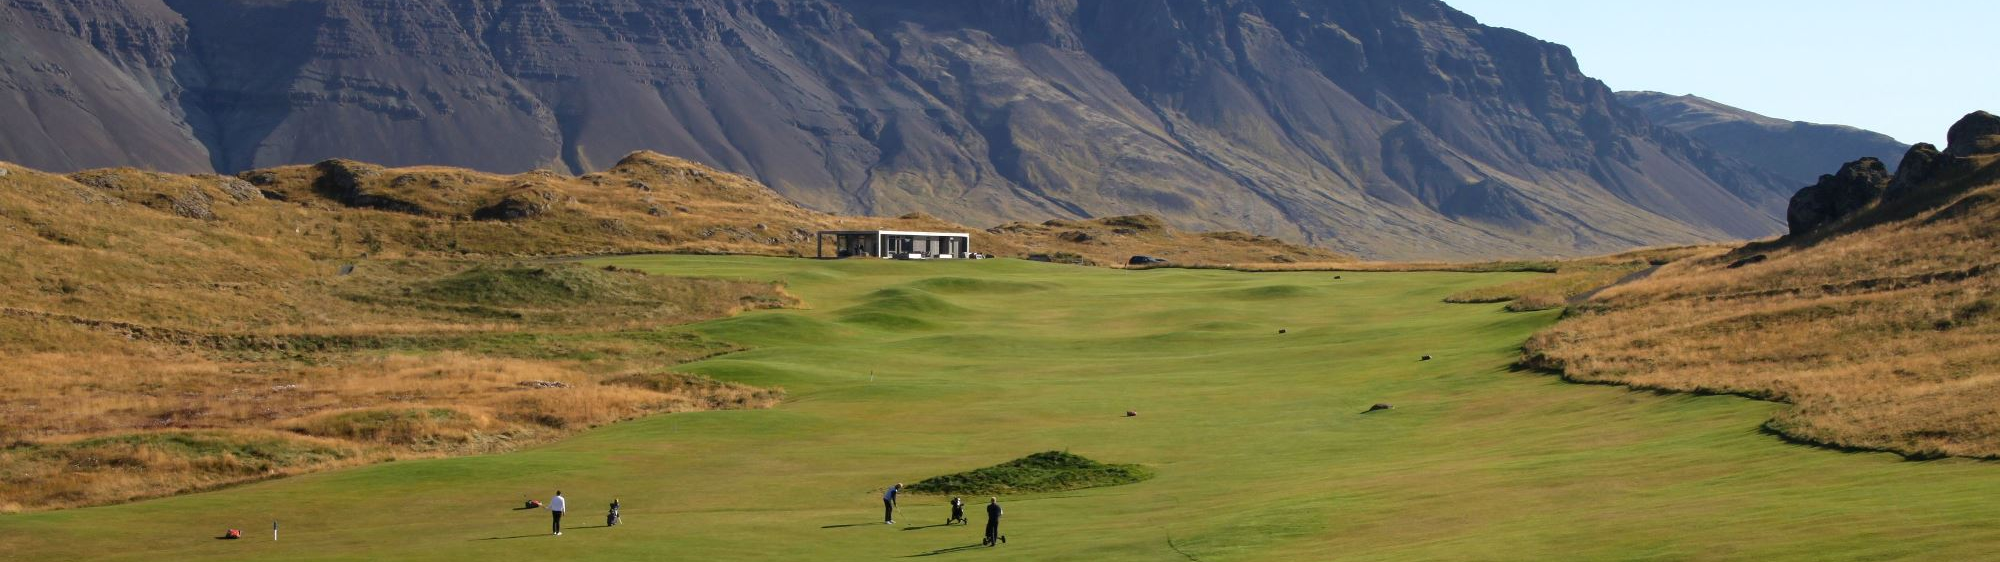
(1876,318)
(1392,128)
(1795,150)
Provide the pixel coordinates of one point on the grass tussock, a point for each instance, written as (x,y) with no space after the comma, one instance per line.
(1053,471)
(1884,338)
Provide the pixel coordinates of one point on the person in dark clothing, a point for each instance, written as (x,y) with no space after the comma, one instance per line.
(889,504)
(993,535)
(611,519)
(957,512)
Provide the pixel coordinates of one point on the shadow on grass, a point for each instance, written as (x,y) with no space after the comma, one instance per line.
(917,528)
(848,525)
(947,550)
(513,537)
(565,529)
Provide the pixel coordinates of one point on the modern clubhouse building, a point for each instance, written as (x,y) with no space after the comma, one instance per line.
(896,244)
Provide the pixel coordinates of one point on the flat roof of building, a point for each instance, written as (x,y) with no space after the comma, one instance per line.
(899,233)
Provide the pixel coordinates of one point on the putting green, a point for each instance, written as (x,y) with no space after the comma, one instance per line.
(900,371)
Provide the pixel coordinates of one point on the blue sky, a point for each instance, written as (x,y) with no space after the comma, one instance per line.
(1905,68)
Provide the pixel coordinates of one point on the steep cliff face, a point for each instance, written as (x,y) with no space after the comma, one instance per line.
(91,83)
(1795,150)
(1389,128)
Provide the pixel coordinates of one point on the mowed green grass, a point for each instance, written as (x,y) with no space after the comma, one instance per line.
(901,371)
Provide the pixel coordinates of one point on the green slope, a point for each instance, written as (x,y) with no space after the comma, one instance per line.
(901,371)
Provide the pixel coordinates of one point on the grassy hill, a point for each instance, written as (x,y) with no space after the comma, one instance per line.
(167,333)
(1882,329)
(1255,438)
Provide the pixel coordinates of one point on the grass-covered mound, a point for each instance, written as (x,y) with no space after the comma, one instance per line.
(1053,471)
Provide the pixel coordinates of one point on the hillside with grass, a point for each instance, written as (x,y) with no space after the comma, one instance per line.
(1877,318)
(168,333)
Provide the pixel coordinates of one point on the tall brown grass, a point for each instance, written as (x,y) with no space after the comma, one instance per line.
(1575,279)
(1887,338)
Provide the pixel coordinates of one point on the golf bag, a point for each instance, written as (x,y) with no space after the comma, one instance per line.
(233,534)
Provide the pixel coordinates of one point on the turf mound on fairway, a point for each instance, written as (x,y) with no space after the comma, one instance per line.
(1053,471)
(973,285)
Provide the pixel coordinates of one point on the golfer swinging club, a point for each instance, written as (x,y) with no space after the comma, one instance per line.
(889,504)
(556,510)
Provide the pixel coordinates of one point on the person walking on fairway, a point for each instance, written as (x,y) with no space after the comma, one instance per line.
(556,510)
(993,535)
(957,511)
(889,504)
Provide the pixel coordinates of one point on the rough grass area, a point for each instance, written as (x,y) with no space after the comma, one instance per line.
(407,358)
(711,394)
(400,426)
(1053,471)
(1570,280)
(1883,338)
(139,465)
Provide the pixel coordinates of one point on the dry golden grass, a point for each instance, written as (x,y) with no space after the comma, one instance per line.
(101,469)
(1575,279)
(357,402)
(1887,338)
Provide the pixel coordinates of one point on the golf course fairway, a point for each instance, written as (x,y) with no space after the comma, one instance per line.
(898,371)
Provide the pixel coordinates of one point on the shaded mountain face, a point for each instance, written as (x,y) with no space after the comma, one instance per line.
(1388,128)
(1796,150)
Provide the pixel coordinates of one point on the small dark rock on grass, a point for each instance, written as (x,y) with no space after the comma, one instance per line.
(1426,358)
(1283,331)
(1378,408)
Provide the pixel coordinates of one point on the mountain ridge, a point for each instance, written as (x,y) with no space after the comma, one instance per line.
(1388,129)
(1799,151)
